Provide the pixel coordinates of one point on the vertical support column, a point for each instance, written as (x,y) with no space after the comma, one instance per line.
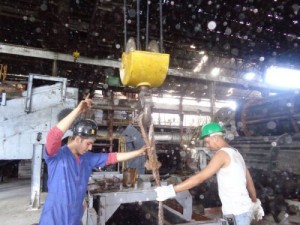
(107,207)
(181,115)
(29,94)
(202,159)
(111,122)
(36,176)
(90,215)
(138,43)
(3,98)
(54,68)
(101,210)
(212,99)
(125,22)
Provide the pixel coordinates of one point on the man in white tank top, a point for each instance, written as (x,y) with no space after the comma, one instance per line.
(235,185)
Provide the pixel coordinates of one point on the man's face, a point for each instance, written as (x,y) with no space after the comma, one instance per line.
(85,145)
(206,142)
(210,142)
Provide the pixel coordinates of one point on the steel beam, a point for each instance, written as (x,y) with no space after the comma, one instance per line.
(43,54)
(220,79)
(157,107)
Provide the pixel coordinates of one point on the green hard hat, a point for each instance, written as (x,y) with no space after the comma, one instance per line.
(210,128)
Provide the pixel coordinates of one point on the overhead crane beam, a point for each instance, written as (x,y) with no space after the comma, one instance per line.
(44,54)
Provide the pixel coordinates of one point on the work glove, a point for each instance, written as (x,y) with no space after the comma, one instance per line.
(165,192)
(257,210)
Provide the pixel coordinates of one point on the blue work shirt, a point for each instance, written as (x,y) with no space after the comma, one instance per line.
(67,185)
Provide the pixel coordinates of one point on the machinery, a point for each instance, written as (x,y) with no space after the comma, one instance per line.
(274,115)
(106,193)
(25,121)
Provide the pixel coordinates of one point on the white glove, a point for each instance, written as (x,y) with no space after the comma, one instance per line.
(165,192)
(257,210)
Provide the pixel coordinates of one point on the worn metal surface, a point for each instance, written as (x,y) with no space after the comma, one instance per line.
(110,201)
(111,198)
(36,176)
(25,121)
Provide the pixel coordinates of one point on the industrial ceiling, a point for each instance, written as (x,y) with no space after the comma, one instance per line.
(236,36)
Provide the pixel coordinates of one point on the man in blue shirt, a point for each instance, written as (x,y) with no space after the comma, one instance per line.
(70,166)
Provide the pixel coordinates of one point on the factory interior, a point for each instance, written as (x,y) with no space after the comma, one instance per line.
(157,71)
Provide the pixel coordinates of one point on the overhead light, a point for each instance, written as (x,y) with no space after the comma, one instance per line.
(282,77)
(249,76)
(193,46)
(229,92)
(170,91)
(211,25)
(215,71)
(201,63)
(204,59)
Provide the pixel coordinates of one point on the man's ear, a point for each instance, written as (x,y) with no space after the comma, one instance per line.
(77,139)
(216,137)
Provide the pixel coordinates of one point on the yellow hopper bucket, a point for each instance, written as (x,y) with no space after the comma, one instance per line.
(142,68)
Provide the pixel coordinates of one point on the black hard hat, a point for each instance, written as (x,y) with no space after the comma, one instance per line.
(85,128)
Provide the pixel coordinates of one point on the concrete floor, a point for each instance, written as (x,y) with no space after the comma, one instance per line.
(15,208)
(14,203)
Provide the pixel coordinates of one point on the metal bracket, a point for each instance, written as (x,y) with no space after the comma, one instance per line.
(42,77)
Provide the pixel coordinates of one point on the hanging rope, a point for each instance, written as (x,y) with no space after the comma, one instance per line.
(152,163)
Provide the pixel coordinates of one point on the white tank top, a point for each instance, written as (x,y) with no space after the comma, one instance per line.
(232,185)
